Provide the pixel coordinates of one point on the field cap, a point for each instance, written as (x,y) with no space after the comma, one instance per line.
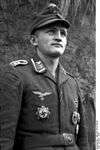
(51,14)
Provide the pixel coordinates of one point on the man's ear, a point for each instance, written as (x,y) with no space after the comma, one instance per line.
(34,40)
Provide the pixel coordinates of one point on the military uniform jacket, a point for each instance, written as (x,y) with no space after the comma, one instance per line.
(37,111)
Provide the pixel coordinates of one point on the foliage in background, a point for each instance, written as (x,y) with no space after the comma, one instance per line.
(16,17)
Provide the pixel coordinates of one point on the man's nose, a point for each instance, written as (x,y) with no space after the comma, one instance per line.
(58,36)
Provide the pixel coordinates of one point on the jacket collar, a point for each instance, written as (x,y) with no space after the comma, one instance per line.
(40,68)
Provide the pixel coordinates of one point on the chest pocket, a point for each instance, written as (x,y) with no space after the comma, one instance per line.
(40,108)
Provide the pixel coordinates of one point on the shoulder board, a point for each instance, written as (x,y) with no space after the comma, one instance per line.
(19,62)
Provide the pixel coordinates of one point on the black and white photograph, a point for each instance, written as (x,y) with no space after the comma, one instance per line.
(48,75)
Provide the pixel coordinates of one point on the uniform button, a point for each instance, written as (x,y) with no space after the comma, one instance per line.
(68,138)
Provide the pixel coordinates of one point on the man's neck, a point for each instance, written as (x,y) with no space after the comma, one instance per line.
(50,63)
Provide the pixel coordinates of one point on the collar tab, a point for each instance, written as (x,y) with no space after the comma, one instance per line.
(38,66)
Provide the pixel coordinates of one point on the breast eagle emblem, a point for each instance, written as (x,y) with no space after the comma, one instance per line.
(41,95)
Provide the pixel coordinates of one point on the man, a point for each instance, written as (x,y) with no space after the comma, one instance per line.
(41,107)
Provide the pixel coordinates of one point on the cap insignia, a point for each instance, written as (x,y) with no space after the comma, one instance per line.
(53,9)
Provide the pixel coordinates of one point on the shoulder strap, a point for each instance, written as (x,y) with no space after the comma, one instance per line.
(19,62)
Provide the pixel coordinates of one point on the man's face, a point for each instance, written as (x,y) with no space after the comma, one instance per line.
(52,40)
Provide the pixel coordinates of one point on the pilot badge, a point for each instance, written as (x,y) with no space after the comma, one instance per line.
(75,117)
(43,112)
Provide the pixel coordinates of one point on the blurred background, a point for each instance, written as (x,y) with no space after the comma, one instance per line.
(16,17)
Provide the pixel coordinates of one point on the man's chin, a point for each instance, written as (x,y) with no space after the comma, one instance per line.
(54,55)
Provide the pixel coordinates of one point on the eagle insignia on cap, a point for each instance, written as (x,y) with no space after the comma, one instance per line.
(53,9)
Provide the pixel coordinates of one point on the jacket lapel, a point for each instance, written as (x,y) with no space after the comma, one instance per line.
(63,75)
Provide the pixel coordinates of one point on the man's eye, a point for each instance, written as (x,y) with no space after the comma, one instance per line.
(63,33)
(51,32)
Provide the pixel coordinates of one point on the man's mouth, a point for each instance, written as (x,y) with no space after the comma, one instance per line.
(57,44)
